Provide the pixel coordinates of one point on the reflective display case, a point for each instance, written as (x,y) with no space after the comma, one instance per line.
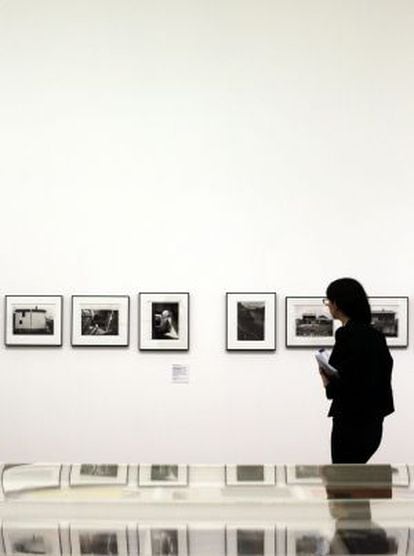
(182,510)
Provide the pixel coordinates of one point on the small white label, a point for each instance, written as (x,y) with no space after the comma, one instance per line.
(179,374)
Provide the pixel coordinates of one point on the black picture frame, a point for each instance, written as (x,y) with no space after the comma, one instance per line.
(42,331)
(395,318)
(105,303)
(316,318)
(251,328)
(168,330)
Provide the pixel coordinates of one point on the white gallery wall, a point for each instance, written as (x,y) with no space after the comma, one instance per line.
(200,146)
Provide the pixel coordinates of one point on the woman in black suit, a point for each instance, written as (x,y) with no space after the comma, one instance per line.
(361,394)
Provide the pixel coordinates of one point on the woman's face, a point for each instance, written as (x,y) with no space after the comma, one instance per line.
(333,308)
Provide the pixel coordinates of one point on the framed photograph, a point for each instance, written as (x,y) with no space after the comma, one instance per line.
(164,321)
(390,316)
(163,475)
(251,321)
(171,540)
(309,323)
(100,320)
(303,474)
(237,475)
(31,476)
(32,320)
(257,540)
(98,539)
(36,538)
(103,474)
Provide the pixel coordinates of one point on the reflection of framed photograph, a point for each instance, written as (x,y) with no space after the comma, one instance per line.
(100,320)
(309,323)
(164,321)
(400,475)
(410,549)
(31,476)
(250,475)
(168,540)
(250,541)
(390,316)
(32,320)
(251,321)
(303,474)
(304,542)
(99,539)
(37,538)
(163,475)
(103,474)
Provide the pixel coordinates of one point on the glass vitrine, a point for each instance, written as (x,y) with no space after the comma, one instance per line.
(234,510)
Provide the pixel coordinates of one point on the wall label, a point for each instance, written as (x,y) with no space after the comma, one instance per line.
(180,374)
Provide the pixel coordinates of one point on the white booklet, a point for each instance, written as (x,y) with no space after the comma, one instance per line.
(322,357)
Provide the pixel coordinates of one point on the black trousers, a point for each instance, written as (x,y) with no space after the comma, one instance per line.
(355,441)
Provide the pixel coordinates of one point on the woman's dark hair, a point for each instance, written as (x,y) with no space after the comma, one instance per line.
(350,298)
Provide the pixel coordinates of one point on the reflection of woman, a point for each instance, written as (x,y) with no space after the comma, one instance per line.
(361,394)
(365,538)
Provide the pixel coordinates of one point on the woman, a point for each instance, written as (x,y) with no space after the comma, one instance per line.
(361,394)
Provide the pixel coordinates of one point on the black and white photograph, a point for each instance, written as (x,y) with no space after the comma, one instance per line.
(390,316)
(33,320)
(163,475)
(163,540)
(100,320)
(251,321)
(98,474)
(309,323)
(250,541)
(164,321)
(33,476)
(238,475)
(38,538)
(88,540)
(303,474)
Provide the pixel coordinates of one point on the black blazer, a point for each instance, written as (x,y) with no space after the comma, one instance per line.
(363,388)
